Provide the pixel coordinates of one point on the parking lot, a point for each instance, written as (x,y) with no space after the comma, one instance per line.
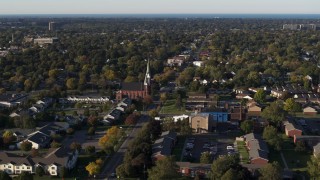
(215,144)
(310,126)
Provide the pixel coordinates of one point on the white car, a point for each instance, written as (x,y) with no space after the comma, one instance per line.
(230,148)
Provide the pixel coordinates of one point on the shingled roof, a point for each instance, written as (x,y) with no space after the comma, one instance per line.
(132,86)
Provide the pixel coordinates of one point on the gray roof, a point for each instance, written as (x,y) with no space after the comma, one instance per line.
(316,148)
(58,157)
(170,134)
(252,136)
(164,144)
(260,145)
(256,153)
(291,126)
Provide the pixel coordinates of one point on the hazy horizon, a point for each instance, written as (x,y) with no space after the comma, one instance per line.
(12,7)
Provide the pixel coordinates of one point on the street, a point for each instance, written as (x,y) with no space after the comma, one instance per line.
(118,156)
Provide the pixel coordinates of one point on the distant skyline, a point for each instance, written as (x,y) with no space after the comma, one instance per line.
(160,7)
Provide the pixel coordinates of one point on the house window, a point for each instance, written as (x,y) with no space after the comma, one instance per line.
(53,167)
(28,167)
(9,166)
(22,167)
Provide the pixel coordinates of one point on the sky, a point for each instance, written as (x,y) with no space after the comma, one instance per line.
(159,6)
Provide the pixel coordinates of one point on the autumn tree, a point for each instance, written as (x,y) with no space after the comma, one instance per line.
(8,137)
(92,120)
(75,146)
(71,83)
(110,139)
(93,168)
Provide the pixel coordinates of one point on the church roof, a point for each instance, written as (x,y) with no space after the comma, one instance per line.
(132,86)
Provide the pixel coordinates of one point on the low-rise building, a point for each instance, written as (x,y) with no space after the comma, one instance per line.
(292,129)
(163,146)
(258,149)
(192,169)
(310,111)
(9,100)
(202,123)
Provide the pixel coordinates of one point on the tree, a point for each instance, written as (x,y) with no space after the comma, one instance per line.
(25,176)
(63,172)
(231,174)
(71,83)
(220,166)
(26,146)
(300,146)
(165,169)
(92,120)
(153,113)
(91,131)
(8,137)
(40,171)
(271,136)
(70,131)
(247,126)
(75,146)
(90,149)
(291,106)
(260,96)
(131,119)
(274,113)
(93,168)
(271,171)
(55,144)
(205,158)
(4,176)
(313,167)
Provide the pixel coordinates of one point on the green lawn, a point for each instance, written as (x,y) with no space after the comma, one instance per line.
(241,145)
(178,148)
(169,107)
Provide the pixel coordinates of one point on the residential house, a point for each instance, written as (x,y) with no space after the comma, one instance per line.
(177,60)
(258,149)
(237,114)
(15,164)
(198,63)
(9,100)
(202,123)
(179,118)
(308,140)
(163,146)
(192,169)
(316,150)
(87,99)
(253,109)
(38,140)
(312,111)
(292,129)
(199,102)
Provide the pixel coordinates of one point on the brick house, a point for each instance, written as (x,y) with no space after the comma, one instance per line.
(192,169)
(292,129)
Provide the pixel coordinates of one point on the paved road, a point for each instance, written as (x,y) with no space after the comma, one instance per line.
(117,157)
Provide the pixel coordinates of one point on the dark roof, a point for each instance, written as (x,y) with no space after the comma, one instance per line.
(132,86)
(169,134)
(11,97)
(40,138)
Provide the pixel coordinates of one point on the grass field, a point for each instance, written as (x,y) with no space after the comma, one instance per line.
(244,154)
(169,107)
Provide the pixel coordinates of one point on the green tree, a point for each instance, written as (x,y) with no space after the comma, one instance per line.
(26,146)
(271,136)
(75,146)
(260,96)
(25,176)
(231,174)
(40,171)
(165,169)
(274,113)
(247,126)
(271,171)
(220,166)
(313,167)
(300,146)
(4,176)
(91,131)
(205,158)
(291,106)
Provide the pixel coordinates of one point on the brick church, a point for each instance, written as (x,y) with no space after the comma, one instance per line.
(135,90)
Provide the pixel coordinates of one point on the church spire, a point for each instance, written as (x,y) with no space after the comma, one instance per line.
(147,77)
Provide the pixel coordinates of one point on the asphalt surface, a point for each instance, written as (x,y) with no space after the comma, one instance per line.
(117,157)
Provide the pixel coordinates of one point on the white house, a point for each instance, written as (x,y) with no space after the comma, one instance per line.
(198,63)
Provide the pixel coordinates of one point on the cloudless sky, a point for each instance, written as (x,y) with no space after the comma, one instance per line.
(159,6)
